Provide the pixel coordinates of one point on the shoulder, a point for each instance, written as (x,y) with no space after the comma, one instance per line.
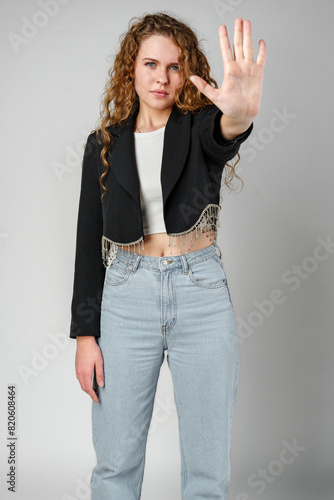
(205,117)
(209,114)
(192,119)
(92,139)
(95,138)
(209,110)
(197,115)
(91,144)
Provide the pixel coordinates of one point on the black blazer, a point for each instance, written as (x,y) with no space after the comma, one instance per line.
(194,156)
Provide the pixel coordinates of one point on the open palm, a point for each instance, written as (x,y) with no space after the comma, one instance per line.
(239,96)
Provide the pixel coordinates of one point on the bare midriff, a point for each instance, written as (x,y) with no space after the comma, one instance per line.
(157,245)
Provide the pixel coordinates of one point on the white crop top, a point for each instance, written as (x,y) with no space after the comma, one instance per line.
(148,148)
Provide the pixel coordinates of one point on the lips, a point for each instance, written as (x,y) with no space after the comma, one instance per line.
(159,92)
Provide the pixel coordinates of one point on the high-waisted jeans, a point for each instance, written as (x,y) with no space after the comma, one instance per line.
(181,304)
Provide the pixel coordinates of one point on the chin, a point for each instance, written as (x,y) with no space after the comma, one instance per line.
(162,105)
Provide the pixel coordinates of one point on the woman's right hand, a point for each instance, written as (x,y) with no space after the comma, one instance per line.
(89,356)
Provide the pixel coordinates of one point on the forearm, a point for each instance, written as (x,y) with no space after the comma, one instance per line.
(230,128)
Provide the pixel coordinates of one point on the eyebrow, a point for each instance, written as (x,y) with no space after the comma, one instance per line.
(156,60)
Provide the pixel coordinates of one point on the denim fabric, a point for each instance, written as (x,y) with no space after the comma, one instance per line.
(181,304)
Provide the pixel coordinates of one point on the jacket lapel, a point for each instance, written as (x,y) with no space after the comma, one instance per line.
(176,144)
(122,159)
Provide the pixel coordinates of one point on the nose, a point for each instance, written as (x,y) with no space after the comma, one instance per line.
(162,76)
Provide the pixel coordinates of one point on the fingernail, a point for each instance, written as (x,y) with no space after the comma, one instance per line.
(101,383)
(191,77)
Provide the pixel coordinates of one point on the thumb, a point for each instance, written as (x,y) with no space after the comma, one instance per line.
(203,86)
(99,373)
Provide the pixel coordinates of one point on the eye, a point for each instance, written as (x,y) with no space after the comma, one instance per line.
(148,64)
(175,68)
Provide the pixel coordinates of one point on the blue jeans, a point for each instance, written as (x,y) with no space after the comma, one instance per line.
(181,304)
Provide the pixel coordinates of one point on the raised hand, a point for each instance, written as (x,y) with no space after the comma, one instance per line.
(239,96)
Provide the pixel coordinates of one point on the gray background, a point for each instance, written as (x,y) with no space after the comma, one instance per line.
(270,235)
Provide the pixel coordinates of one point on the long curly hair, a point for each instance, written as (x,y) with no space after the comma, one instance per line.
(120,100)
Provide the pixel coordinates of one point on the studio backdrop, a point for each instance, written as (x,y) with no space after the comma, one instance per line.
(276,236)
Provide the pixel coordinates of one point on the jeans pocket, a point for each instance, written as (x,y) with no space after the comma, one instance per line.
(208,273)
(117,273)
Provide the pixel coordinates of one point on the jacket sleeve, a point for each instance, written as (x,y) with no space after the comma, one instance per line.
(89,271)
(218,149)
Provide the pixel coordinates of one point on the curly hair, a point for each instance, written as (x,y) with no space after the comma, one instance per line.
(120,100)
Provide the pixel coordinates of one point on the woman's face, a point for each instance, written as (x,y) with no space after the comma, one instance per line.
(156,73)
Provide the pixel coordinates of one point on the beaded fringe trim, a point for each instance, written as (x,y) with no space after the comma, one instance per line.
(208,221)
(109,249)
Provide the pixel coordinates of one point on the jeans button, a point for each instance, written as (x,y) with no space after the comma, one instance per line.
(164,262)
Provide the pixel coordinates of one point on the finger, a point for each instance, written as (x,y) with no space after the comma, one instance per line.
(225,46)
(93,395)
(203,86)
(237,40)
(86,383)
(248,43)
(262,56)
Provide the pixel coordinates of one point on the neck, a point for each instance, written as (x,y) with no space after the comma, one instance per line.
(150,121)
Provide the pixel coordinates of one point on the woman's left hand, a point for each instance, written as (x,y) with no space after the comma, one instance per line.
(239,96)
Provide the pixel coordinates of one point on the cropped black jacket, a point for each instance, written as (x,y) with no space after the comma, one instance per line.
(194,155)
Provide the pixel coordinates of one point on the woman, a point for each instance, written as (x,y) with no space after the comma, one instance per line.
(150,197)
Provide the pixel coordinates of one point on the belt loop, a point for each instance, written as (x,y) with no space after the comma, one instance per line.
(136,261)
(184,264)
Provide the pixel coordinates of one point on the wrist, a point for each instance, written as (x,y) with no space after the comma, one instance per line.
(83,339)
(230,128)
